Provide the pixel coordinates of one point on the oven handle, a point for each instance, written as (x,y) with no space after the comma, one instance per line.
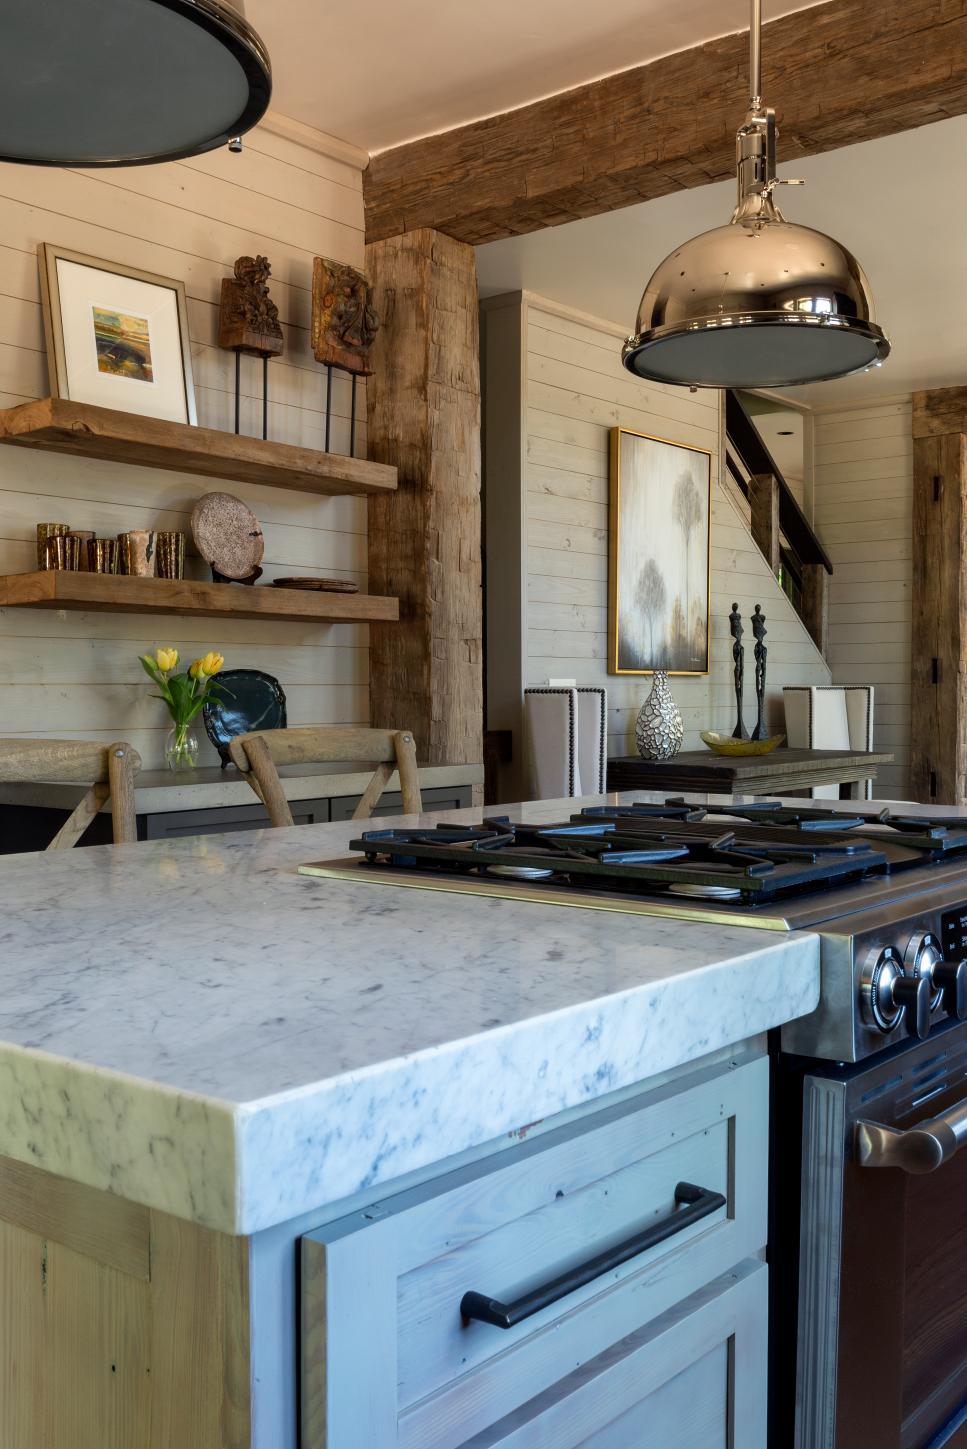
(923,1148)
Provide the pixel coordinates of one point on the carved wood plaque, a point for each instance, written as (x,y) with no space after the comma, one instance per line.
(344,321)
(248,319)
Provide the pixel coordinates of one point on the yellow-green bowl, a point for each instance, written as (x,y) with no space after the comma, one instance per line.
(726,745)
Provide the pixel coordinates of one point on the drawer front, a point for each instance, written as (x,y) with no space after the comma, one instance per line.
(509,1226)
(693,1379)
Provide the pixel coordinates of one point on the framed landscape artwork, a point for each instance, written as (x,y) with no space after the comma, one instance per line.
(658,572)
(116,337)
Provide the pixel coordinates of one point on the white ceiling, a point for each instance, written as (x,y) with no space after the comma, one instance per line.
(386,72)
(899,205)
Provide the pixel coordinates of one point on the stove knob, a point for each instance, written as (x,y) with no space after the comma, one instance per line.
(881,971)
(913,994)
(922,956)
(951,977)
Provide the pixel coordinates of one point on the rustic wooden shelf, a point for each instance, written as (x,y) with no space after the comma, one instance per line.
(59,426)
(109,593)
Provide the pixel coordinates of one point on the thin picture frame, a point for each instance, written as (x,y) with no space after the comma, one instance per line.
(50,256)
(617,592)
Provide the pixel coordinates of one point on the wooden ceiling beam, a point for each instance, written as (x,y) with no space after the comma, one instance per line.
(838,73)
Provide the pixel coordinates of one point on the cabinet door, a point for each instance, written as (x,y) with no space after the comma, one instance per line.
(457,797)
(385,1342)
(693,1379)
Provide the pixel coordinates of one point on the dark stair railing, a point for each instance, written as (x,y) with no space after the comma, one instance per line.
(779,527)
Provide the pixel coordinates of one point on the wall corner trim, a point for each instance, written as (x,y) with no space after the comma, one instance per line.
(314,140)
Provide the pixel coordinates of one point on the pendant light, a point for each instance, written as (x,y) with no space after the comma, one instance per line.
(125,82)
(760,302)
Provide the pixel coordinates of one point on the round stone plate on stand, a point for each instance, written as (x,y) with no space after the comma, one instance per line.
(228,537)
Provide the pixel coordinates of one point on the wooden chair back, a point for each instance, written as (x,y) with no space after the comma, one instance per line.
(108,769)
(258,754)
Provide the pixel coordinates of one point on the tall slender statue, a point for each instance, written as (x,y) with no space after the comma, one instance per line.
(761,653)
(738,654)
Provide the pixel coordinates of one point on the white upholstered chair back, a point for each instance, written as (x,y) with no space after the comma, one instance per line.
(831,717)
(565,741)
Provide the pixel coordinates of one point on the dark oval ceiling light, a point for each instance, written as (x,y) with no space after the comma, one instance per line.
(126,82)
(760,302)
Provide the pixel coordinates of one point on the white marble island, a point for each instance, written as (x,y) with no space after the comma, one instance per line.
(197,1030)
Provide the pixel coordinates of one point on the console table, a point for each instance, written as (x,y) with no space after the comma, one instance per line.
(776,774)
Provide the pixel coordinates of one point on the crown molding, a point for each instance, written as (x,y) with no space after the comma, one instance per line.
(313,140)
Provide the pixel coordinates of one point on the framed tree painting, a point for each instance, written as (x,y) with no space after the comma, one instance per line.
(116,336)
(658,573)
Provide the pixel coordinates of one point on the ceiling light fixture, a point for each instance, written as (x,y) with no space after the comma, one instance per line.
(126,82)
(760,302)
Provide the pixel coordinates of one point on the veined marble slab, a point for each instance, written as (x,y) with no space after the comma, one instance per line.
(193,1025)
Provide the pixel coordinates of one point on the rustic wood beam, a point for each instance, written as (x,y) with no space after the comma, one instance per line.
(938,737)
(837,73)
(815,604)
(423,405)
(764,521)
(940,411)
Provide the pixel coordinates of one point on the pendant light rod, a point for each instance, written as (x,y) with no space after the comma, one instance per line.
(755,56)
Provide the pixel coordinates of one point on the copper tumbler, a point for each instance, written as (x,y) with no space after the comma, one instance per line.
(170,555)
(102,556)
(62,551)
(136,552)
(84,535)
(45,531)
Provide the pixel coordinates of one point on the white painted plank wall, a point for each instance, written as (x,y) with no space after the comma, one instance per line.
(74,674)
(576,391)
(863,502)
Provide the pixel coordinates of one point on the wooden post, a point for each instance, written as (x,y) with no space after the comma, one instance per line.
(815,604)
(423,406)
(938,734)
(764,504)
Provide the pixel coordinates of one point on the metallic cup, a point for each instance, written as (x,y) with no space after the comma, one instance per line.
(171,555)
(45,531)
(102,556)
(62,551)
(136,550)
(85,535)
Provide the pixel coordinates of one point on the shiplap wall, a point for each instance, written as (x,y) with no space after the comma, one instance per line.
(863,512)
(77,675)
(575,391)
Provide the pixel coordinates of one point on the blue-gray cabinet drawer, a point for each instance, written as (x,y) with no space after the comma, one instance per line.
(385,1345)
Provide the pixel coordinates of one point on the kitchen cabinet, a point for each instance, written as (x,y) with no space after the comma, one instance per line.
(389,1356)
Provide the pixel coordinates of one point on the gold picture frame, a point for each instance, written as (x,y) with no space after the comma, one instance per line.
(116,336)
(659,555)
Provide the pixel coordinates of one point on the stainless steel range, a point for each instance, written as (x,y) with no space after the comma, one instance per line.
(869,1268)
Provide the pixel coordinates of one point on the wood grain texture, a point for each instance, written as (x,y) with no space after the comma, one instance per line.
(938,737)
(815,604)
(942,410)
(885,68)
(87,431)
(56,589)
(110,769)
(257,753)
(764,506)
(122,1328)
(424,542)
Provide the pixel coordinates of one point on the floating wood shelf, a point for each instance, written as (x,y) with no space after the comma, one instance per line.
(86,431)
(108,593)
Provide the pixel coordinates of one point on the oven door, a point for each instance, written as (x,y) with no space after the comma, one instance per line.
(882,1303)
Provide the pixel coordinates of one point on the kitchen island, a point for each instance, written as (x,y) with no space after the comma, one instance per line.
(209,1062)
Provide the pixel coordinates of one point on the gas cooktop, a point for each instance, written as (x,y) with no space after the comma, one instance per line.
(743,858)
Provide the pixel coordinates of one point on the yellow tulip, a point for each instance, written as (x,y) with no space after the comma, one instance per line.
(166,659)
(204,668)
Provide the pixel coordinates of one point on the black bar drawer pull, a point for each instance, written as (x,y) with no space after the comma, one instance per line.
(695,1203)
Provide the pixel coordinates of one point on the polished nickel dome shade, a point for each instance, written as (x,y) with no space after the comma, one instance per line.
(125,82)
(760,302)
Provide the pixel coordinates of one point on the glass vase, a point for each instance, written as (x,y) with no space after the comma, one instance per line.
(181,748)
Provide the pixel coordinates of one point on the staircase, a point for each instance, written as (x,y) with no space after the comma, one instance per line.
(779,527)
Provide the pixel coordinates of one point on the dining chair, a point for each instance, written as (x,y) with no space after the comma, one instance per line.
(258,753)
(108,769)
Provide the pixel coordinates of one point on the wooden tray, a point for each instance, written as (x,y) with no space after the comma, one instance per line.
(323,586)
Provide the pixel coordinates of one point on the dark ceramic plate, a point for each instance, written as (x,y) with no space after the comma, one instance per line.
(253,701)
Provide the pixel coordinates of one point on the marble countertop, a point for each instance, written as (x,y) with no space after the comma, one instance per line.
(159,792)
(194,1025)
